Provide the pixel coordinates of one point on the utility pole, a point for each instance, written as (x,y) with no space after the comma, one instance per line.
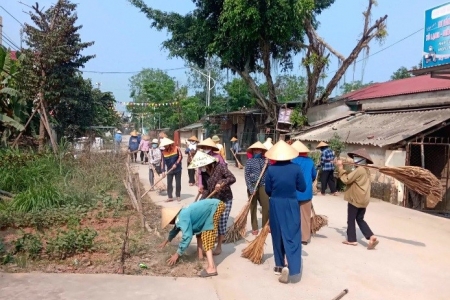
(1,30)
(98,84)
(21,37)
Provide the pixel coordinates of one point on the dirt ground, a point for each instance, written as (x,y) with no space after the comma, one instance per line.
(142,256)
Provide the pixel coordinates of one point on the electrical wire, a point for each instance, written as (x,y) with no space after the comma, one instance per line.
(11,15)
(130,72)
(10,40)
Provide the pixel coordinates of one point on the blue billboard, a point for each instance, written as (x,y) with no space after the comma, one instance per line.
(436,49)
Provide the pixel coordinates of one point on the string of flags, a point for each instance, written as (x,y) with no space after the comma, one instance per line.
(149,104)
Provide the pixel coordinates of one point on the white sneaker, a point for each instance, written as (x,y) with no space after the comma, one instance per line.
(284,277)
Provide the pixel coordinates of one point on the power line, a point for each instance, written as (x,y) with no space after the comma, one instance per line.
(10,40)
(129,72)
(9,45)
(11,15)
(385,48)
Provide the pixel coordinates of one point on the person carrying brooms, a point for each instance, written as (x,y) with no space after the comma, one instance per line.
(199,218)
(357,194)
(253,171)
(220,179)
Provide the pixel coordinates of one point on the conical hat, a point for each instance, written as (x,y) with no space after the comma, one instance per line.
(361,153)
(268,143)
(215,138)
(134,133)
(300,147)
(165,142)
(322,144)
(281,151)
(201,159)
(233,139)
(193,138)
(209,143)
(257,145)
(168,214)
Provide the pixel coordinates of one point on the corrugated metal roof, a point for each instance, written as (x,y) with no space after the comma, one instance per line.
(239,112)
(412,85)
(378,129)
(192,126)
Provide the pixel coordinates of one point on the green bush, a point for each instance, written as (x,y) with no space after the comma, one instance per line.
(68,243)
(29,244)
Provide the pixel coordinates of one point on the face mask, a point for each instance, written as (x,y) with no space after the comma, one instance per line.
(257,155)
(192,143)
(162,148)
(207,151)
(359,160)
(203,169)
(154,146)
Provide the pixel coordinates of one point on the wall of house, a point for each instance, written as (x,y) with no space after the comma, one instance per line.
(327,112)
(408,101)
(184,135)
(383,187)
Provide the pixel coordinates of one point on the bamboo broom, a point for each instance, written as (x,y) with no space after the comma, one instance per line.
(317,221)
(239,164)
(158,181)
(420,180)
(255,250)
(237,231)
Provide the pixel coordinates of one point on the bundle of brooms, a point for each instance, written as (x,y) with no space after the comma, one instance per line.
(255,250)
(237,231)
(420,180)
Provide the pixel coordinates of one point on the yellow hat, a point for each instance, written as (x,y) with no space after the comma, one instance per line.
(134,133)
(300,147)
(322,144)
(165,142)
(201,159)
(215,138)
(281,151)
(233,139)
(268,143)
(208,143)
(257,145)
(193,139)
(168,214)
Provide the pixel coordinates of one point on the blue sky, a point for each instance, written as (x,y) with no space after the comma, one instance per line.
(124,41)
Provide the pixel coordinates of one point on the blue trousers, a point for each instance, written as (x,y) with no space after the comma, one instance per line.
(284,216)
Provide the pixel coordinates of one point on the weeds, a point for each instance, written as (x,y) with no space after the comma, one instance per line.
(68,243)
(30,245)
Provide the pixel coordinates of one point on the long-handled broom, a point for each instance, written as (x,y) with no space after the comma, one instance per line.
(255,250)
(317,221)
(420,180)
(237,231)
(162,177)
(237,161)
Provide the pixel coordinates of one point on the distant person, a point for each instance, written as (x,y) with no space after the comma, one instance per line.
(133,145)
(326,162)
(144,147)
(117,141)
(235,148)
(172,158)
(358,196)
(191,149)
(221,151)
(155,161)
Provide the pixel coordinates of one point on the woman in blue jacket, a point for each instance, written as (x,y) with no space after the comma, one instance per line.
(283,180)
(304,198)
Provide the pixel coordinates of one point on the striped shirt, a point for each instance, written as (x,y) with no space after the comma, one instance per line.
(326,160)
(253,169)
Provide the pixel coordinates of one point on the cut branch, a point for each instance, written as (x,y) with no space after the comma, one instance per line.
(328,46)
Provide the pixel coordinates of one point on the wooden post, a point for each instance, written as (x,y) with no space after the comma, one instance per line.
(137,185)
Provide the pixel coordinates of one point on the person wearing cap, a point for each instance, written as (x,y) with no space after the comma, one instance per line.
(144,146)
(133,145)
(253,171)
(199,218)
(210,148)
(358,196)
(221,150)
(235,149)
(117,140)
(220,179)
(283,180)
(326,162)
(304,198)
(190,151)
(171,163)
(155,161)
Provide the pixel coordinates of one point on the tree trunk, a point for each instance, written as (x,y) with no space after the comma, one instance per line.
(41,134)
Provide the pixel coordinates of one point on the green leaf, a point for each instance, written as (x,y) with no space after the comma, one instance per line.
(11,122)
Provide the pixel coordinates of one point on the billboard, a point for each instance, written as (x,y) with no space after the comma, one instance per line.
(436,49)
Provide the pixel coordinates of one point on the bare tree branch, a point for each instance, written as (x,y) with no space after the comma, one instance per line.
(328,46)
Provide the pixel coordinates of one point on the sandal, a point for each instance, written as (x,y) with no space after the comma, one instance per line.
(277,270)
(169,200)
(372,244)
(178,199)
(205,274)
(335,194)
(255,232)
(350,243)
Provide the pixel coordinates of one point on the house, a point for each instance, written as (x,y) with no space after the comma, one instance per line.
(402,122)
(195,129)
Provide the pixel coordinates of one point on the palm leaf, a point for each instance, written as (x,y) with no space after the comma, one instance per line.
(11,122)
(9,91)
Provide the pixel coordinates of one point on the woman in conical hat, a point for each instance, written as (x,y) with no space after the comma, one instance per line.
(283,180)
(208,147)
(253,170)
(201,219)
(220,178)
(304,198)
(191,149)
(357,194)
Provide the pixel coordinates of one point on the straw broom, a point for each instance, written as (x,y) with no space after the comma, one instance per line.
(237,231)
(420,180)
(255,250)
(239,164)
(317,221)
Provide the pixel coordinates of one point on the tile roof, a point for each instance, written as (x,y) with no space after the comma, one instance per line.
(191,127)
(378,129)
(412,85)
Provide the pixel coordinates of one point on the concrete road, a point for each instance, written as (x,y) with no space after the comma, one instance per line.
(411,262)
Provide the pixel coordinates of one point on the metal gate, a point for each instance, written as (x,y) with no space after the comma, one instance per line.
(432,154)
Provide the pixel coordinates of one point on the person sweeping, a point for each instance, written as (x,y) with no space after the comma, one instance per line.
(190,151)
(305,198)
(199,218)
(283,180)
(220,179)
(208,147)
(253,169)
(358,196)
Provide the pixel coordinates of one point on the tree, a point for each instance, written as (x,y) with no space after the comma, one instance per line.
(237,32)
(290,88)
(53,59)
(238,95)
(353,86)
(401,73)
